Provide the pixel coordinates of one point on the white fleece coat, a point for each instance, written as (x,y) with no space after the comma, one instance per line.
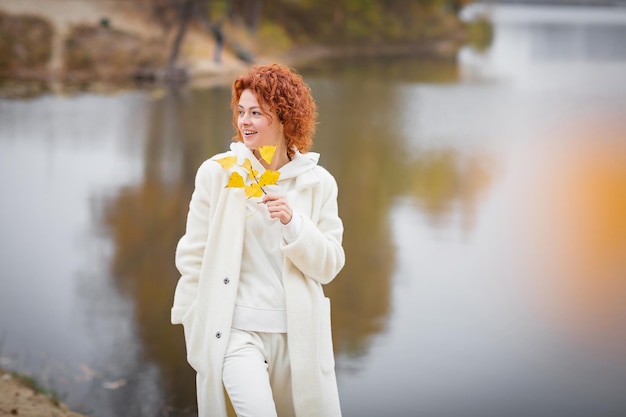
(208,257)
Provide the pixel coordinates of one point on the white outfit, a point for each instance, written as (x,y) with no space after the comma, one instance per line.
(209,258)
(257,371)
(260,303)
(257,374)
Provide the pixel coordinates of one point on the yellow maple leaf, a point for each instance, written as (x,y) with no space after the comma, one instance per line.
(235,181)
(267,153)
(227,162)
(253,190)
(269,177)
(248,167)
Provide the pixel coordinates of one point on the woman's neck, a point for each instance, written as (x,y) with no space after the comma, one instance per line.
(278,161)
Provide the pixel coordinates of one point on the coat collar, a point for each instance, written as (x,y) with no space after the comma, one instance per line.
(301,168)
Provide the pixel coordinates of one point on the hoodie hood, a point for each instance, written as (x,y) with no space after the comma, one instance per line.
(300,163)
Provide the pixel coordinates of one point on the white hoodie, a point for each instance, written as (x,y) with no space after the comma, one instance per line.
(260,303)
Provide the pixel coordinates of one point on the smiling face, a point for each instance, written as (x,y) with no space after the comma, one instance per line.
(257,125)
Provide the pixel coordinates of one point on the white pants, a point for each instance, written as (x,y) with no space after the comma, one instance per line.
(257,374)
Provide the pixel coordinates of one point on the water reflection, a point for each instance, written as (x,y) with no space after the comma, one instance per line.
(361,150)
(581,43)
(444,182)
(386,73)
(145,222)
(483,202)
(60,316)
(519,317)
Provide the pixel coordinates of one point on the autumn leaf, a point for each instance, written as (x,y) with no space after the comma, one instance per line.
(269,177)
(253,190)
(267,153)
(248,167)
(227,162)
(235,181)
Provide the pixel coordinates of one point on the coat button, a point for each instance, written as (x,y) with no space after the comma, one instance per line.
(218,334)
(226,280)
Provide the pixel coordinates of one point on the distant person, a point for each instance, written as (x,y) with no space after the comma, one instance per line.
(250,296)
(218,35)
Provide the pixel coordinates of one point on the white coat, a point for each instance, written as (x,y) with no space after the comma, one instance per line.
(208,257)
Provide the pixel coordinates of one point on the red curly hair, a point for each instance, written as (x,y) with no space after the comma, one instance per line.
(286,94)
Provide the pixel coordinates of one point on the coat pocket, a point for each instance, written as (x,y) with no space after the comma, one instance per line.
(327,357)
(192,325)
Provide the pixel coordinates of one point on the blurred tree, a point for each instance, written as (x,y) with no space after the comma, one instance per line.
(186,7)
(250,11)
(178,14)
(356,21)
(316,21)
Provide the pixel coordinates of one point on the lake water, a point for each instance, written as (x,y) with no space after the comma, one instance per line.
(484,201)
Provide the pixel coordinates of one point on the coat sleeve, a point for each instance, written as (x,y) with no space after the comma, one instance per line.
(317,251)
(190,248)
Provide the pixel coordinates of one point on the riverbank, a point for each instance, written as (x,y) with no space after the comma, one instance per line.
(20,396)
(64,47)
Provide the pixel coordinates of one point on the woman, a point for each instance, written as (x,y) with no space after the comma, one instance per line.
(250,297)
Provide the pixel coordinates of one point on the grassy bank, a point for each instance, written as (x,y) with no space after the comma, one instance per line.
(46,47)
(22,396)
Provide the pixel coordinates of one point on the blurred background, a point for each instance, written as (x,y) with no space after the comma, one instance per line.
(480,152)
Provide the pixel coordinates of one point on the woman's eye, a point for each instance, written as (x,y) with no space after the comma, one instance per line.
(256,113)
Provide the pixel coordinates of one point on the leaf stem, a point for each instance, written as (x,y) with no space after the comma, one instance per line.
(257,181)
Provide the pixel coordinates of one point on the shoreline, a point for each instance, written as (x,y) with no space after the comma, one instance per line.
(199,76)
(133,32)
(20,395)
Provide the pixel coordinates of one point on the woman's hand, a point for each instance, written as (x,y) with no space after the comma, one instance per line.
(278,207)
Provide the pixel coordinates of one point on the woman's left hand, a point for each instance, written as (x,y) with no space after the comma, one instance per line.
(278,207)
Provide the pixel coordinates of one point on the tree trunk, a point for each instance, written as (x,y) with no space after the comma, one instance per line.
(186,7)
